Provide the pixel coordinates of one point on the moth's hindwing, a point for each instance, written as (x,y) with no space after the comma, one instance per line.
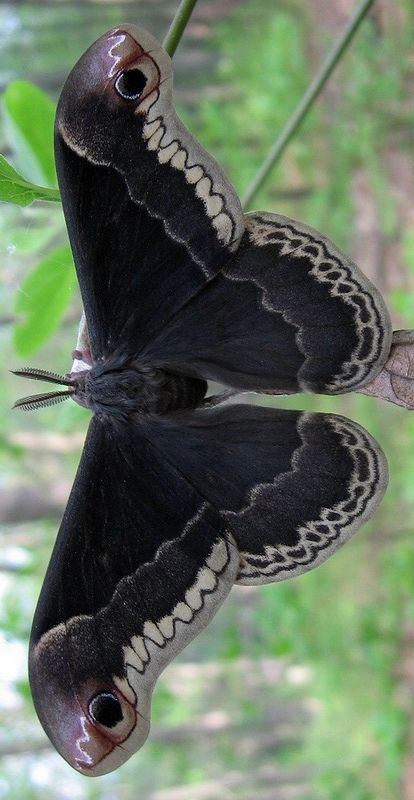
(288,313)
(291,486)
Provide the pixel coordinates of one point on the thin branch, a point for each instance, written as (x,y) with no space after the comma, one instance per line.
(178,25)
(306,102)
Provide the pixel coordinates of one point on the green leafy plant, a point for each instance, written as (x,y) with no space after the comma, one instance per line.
(16,189)
(29,115)
(44,294)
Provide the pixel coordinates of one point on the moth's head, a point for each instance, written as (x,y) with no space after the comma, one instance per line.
(123,74)
(90,716)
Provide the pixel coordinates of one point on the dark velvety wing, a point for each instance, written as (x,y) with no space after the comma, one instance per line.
(141,564)
(150,215)
(288,313)
(291,486)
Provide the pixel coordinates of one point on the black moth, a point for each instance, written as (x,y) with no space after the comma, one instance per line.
(176,498)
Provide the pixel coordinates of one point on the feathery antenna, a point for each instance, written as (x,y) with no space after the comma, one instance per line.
(41,400)
(42,375)
(47,399)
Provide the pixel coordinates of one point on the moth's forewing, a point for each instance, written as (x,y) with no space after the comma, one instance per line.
(150,215)
(141,564)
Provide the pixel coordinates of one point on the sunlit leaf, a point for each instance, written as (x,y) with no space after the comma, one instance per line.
(42,299)
(29,116)
(16,189)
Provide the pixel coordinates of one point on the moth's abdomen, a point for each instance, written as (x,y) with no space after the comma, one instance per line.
(178,392)
(121,390)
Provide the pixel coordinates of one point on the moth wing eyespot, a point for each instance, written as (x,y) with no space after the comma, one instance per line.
(112,713)
(131,83)
(105,709)
(138,81)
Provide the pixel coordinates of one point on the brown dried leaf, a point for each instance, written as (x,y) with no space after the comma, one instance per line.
(395,383)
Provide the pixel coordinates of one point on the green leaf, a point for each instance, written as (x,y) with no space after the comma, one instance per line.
(16,189)
(29,117)
(42,299)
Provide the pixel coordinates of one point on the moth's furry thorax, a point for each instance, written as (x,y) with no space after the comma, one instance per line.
(124,389)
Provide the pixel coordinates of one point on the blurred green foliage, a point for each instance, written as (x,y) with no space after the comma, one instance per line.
(344,626)
(29,118)
(44,294)
(42,299)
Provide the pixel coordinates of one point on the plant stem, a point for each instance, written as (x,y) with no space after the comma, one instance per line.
(177,27)
(307,100)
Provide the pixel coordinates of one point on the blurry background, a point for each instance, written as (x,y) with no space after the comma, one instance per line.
(302,689)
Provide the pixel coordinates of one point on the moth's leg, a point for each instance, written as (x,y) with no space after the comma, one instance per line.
(395,382)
